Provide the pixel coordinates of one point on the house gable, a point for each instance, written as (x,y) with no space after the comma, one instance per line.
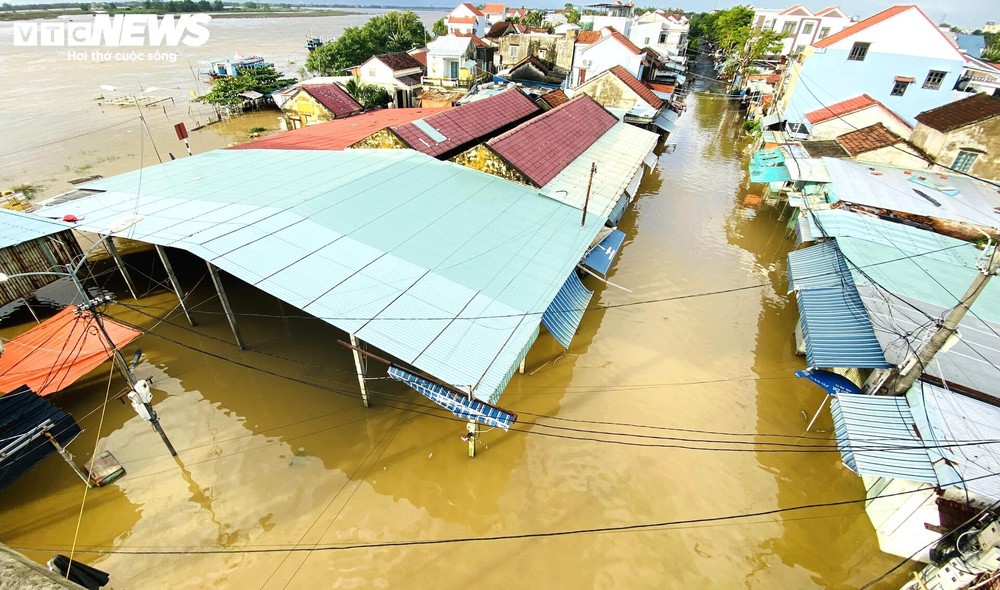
(383,139)
(900,30)
(484,159)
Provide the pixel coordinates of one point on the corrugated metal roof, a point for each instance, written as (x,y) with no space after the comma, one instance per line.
(441,266)
(618,153)
(564,315)
(876,436)
(817,267)
(887,187)
(602,256)
(17,228)
(961,419)
(837,330)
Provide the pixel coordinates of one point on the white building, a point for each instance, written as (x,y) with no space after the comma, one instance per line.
(450,60)
(466,19)
(495,13)
(398,73)
(801,26)
(597,51)
(665,32)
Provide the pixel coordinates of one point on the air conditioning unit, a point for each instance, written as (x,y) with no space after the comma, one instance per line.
(586,63)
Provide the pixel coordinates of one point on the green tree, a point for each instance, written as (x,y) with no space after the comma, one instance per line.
(384,33)
(204,6)
(369,96)
(218,6)
(226,91)
(761,44)
(85,6)
(6,6)
(533,19)
(440,29)
(572,16)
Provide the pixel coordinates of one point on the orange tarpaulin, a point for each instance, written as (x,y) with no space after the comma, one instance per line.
(57,352)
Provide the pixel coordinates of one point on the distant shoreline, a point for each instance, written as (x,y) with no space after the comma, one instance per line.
(307,10)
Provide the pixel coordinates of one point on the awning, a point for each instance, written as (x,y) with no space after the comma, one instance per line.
(769,174)
(876,436)
(650,160)
(251,94)
(817,267)
(837,330)
(24,418)
(599,259)
(633,185)
(907,79)
(770,120)
(619,209)
(57,352)
(681,79)
(833,383)
(666,120)
(564,315)
(459,405)
(771,157)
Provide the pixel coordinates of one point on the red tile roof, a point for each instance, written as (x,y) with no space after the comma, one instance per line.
(668,88)
(976,108)
(420,56)
(862,25)
(461,20)
(623,40)
(849,106)
(638,87)
(334,98)
(868,139)
(495,9)
(841,108)
(475,40)
(545,145)
(588,37)
(474,10)
(555,97)
(339,133)
(399,60)
(468,124)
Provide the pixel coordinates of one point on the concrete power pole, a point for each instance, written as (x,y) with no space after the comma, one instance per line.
(897,383)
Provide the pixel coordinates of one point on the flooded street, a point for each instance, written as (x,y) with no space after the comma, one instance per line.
(676,406)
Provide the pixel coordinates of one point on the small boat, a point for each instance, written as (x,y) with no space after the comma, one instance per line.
(314,43)
(228,67)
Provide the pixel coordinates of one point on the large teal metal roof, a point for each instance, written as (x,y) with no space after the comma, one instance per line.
(443,267)
(17,228)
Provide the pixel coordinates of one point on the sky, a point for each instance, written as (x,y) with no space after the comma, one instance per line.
(969,14)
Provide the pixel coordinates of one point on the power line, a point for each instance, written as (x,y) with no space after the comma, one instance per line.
(96,550)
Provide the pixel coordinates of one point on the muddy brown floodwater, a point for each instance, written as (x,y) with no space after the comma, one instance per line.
(659,413)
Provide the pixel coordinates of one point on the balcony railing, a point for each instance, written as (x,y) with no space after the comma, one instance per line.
(447,82)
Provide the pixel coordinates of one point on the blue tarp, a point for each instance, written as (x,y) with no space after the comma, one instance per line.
(833,383)
(599,259)
(563,316)
(459,405)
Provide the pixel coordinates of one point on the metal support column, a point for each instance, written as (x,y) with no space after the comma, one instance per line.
(361,370)
(69,459)
(174,282)
(214,273)
(109,245)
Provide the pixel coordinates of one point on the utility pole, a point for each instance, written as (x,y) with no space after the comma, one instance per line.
(898,383)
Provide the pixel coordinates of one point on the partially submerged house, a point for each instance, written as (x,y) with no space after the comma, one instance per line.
(963,135)
(445,134)
(316,103)
(31,244)
(398,73)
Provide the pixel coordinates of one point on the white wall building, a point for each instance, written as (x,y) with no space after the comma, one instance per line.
(601,50)
(466,19)
(801,26)
(449,60)
(665,32)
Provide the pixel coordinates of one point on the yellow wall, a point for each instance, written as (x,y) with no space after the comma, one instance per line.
(486,160)
(303,107)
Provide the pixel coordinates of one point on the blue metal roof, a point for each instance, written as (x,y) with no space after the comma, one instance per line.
(563,317)
(777,173)
(445,268)
(819,266)
(17,228)
(599,259)
(461,406)
(837,330)
(876,436)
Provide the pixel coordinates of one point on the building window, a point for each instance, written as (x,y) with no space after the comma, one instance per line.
(808,28)
(824,32)
(646,42)
(512,51)
(663,37)
(964,160)
(934,79)
(788,28)
(899,87)
(799,49)
(859,51)
(542,53)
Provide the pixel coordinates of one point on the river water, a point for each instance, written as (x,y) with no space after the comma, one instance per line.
(659,416)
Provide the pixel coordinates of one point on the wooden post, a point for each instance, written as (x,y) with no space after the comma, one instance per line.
(214,273)
(586,200)
(174,282)
(360,369)
(31,309)
(109,245)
